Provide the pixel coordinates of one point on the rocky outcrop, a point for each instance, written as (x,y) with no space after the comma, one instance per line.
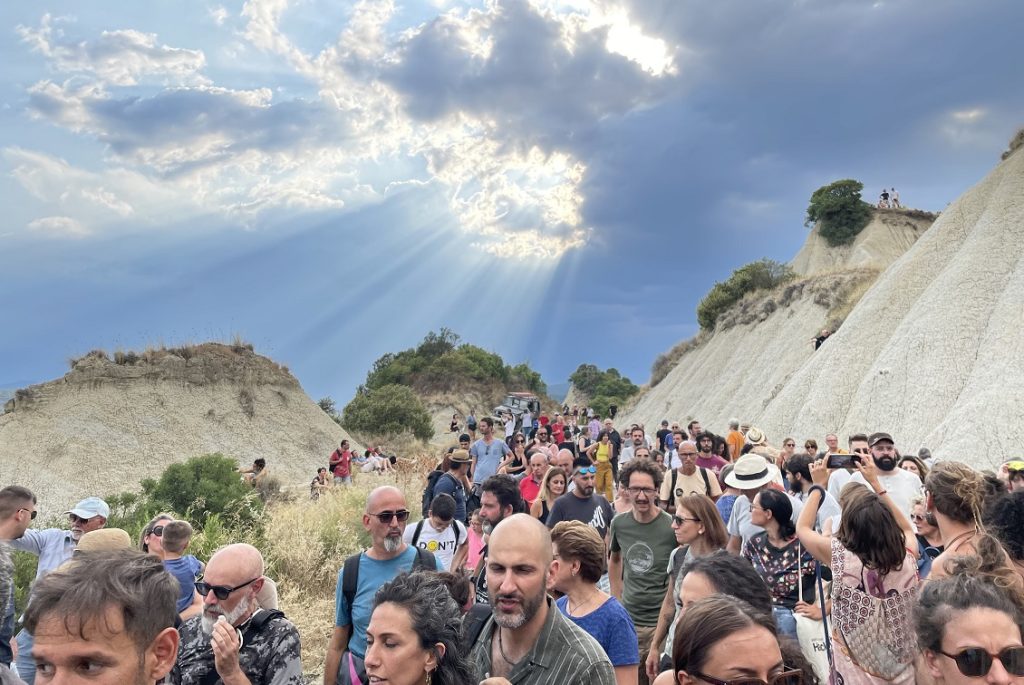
(109,423)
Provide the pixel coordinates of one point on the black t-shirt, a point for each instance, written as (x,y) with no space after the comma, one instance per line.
(661,438)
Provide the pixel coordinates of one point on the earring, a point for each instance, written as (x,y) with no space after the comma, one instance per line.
(701,531)
(428,679)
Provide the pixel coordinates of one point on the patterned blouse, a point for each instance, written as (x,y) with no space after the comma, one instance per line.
(781,570)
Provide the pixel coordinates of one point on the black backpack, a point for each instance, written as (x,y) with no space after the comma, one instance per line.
(424,560)
(419,529)
(428,492)
(675,476)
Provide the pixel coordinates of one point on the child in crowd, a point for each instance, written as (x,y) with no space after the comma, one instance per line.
(175,539)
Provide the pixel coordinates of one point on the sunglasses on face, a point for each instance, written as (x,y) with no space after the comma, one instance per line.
(78,519)
(680,520)
(385,516)
(157,531)
(794,677)
(975,662)
(33,513)
(587,471)
(221,592)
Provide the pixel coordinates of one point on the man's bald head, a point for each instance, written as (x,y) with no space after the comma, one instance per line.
(523,530)
(383,494)
(563,459)
(240,556)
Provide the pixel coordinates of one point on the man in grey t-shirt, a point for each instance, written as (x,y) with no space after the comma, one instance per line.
(582,504)
(487,452)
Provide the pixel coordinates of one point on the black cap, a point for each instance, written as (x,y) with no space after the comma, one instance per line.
(879,437)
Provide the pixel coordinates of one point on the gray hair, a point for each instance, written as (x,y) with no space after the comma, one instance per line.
(734,424)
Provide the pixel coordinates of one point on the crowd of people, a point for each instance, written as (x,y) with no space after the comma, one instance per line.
(679,556)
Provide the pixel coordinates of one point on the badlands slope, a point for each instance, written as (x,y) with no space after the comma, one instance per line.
(932,353)
(104,427)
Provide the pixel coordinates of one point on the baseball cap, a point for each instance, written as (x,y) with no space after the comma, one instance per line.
(879,437)
(89,507)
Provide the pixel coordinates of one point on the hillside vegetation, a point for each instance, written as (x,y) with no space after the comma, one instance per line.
(393,399)
(763,274)
(840,212)
(602,388)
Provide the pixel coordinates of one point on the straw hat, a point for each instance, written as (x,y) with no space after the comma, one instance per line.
(751,472)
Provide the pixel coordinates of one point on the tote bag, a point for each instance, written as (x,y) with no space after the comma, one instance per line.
(811,635)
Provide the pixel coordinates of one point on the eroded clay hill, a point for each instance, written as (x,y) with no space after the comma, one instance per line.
(107,424)
(932,352)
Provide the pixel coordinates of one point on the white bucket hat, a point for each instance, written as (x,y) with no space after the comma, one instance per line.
(751,472)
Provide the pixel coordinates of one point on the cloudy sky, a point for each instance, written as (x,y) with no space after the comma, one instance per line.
(558,181)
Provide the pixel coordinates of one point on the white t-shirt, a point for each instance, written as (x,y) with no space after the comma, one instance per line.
(739,521)
(510,427)
(902,486)
(441,544)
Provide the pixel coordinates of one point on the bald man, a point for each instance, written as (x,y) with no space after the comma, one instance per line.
(233,636)
(384,519)
(527,640)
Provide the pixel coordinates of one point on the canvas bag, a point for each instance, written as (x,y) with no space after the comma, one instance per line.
(874,629)
(811,635)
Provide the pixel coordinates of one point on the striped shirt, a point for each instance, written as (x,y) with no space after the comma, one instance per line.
(564,653)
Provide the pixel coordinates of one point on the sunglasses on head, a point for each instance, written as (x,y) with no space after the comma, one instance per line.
(586,471)
(221,592)
(975,662)
(385,516)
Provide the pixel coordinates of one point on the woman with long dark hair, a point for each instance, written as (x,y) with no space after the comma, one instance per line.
(778,557)
(873,557)
(414,634)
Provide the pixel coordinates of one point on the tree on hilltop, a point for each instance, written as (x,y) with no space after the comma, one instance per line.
(839,209)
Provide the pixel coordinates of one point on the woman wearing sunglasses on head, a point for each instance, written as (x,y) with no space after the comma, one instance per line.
(723,640)
(969,627)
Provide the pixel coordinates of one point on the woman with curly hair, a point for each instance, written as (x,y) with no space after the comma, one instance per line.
(956,497)
(414,634)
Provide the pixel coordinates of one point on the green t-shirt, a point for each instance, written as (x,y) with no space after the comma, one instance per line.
(645,550)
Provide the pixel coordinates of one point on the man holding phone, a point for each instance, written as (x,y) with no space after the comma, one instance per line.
(841,476)
(902,486)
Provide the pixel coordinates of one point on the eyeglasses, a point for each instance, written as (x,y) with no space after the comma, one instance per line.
(221,592)
(975,662)
(586,471)
(34,513)
(794,677)
(809,446)
(157,531)
(647,492)
(680,520)
(688,454)
(385,516)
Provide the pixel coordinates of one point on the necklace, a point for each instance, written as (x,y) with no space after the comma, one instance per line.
(580,605)
(501,648)
(960,537)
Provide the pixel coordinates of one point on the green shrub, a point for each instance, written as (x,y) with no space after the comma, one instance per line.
(387,411)
(203,486)
(839,210)
(603,388)
(760,275)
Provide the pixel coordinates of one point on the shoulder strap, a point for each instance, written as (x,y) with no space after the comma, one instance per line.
(455,525)
(672,488)
(350,578)
(262,618)
(474,624)
(416,533)
(707,483)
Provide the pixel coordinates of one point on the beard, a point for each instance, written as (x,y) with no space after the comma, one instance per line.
(392,543)
(885,463)
(797,486)
(585,490)
(212,613)
(528,607)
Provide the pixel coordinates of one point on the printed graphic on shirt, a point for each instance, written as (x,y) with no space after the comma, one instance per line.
(640,557)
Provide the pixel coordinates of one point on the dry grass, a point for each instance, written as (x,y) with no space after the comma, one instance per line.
(1015,143)
(307,543)
(667,361)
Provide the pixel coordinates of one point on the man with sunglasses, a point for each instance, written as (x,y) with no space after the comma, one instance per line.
(384,519)
(582,503)
(54,546)
(234,641)
(17,511)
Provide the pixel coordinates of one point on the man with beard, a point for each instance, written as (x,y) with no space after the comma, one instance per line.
(641,543)
(582,504)
(636,441)
(902,486)
(542,442)
(363,573)
(17,511)
(499,499)
(798,471)
(54,546)
(107,619)
(527,640)
(705,458)
(487,453)
(234,641)
(838,478)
